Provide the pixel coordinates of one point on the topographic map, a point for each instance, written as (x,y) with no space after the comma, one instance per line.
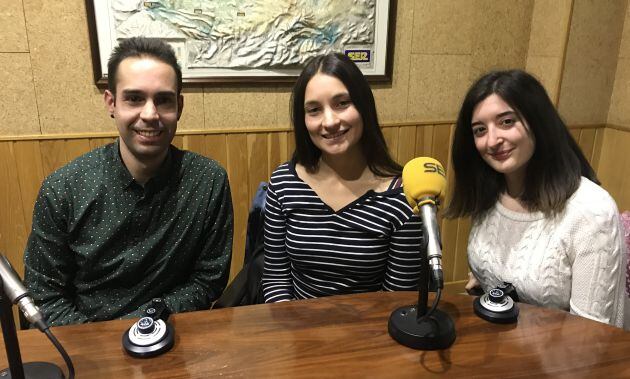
(249,33)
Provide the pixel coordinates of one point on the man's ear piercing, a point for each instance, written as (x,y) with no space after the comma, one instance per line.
(111,115)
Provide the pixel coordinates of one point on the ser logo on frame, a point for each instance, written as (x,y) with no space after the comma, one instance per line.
(358,55)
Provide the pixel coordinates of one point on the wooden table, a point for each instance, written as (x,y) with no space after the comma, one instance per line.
(344,336)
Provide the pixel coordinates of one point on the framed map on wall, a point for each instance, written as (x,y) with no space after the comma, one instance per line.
(248,41)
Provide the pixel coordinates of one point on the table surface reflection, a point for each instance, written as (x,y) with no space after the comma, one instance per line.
(343,336)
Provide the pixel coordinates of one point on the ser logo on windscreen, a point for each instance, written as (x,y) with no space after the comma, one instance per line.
(432,168)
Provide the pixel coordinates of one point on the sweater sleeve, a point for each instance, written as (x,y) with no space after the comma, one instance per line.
(596,251)
(276,282)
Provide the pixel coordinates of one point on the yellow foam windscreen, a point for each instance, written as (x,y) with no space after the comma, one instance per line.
(424,180)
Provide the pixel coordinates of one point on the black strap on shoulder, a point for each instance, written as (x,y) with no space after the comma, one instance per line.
(396,183)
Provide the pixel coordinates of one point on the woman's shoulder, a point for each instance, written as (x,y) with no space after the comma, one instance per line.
(285,169)
(283,177)
(592,204)
(393,199)
(590,196)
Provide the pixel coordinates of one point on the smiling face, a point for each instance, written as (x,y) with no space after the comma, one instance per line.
(502,138)
(146,108)
(332,120)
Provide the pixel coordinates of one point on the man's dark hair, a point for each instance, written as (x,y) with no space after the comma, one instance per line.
(553,172)
(372,141)
(138,47)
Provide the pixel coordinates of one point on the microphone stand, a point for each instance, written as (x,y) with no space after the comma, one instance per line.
(415,327)
(17,370)
(10,339)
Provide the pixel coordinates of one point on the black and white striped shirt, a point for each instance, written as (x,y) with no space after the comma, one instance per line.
(311,251)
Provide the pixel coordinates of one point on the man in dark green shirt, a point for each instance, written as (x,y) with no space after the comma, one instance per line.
(136,219)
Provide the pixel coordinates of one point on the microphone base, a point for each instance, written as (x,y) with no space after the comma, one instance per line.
(151,350)
(36,370)
(434,333)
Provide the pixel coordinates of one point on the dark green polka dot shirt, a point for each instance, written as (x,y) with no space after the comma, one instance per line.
(102,246)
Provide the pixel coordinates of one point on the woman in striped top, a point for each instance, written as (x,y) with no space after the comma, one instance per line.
(337,220)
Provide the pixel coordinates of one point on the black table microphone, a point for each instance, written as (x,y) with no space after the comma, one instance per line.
(498,305)
(14,292)
(152,335)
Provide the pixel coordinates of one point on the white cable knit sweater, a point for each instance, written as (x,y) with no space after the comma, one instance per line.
(572,261)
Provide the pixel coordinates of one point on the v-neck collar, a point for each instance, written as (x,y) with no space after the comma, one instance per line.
(369,193)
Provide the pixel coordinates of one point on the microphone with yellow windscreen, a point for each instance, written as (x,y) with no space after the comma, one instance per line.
(424,185)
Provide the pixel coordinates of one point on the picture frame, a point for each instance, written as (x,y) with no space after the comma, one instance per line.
(205,46)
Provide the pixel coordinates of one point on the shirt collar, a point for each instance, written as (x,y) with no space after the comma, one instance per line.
(123,177)
(165,172)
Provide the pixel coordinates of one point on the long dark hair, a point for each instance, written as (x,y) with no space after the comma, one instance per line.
(372,141)
(554,170)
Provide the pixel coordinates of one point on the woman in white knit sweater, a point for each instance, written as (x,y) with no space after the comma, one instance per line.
(540,220)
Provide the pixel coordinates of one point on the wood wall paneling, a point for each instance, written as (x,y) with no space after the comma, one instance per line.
(277,151)
(216,148)
(178,141)
(613,168)
(460,269)
(587,143)
(622,194)
(391,138)
(575,133)
(239,177)
(76,147)
(13,228)
(13,231)
(290,144)
(196,145)
(30,175)
(257,161)
(424,147)
(98,142)
(597,147)
(53,154)
(406,144)
(441,144)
